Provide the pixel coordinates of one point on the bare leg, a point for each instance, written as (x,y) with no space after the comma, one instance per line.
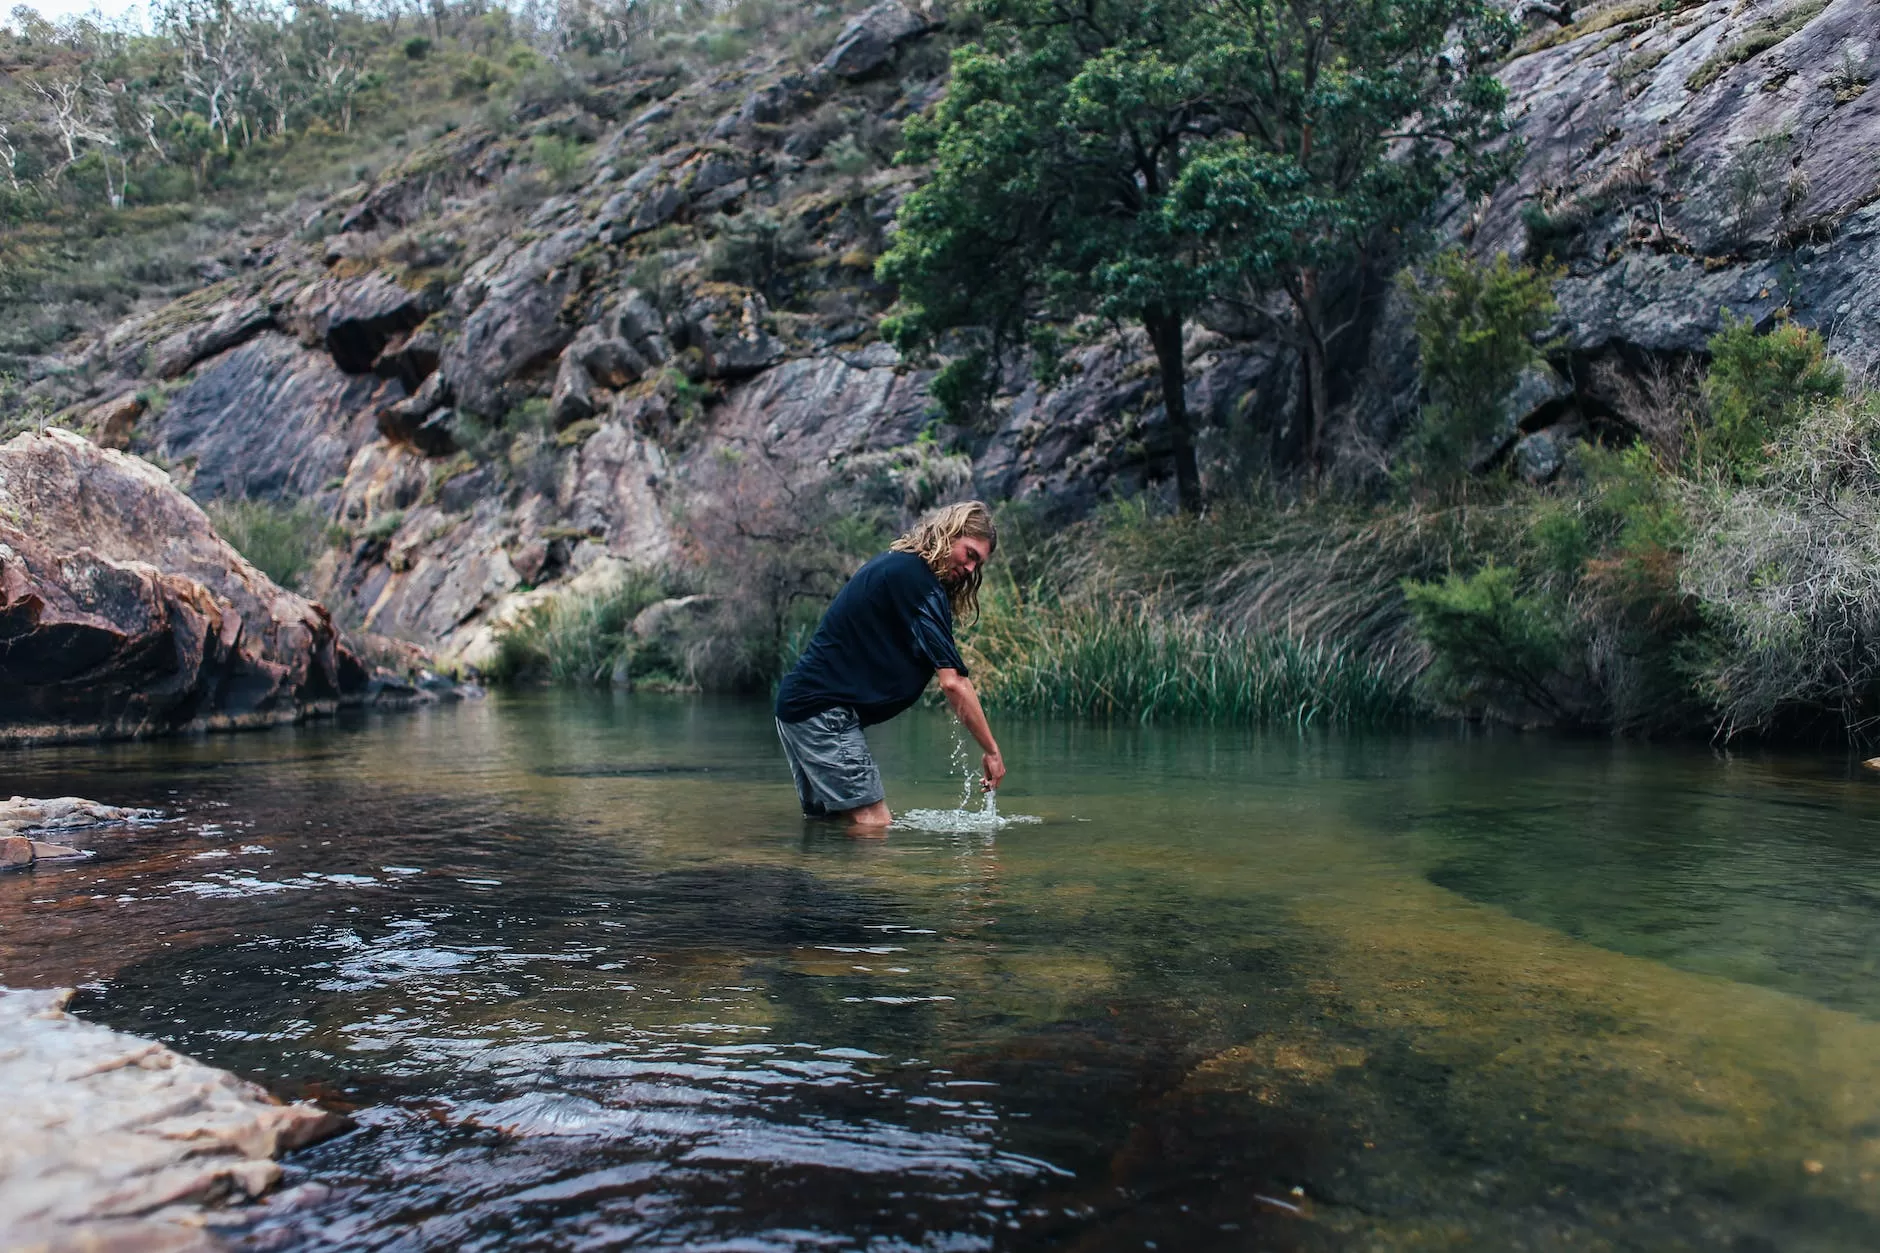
(869,819)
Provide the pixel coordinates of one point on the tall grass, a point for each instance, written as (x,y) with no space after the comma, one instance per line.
(1129,659)
(280,540)
(581,640)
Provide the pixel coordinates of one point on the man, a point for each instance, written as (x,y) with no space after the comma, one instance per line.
(886,634)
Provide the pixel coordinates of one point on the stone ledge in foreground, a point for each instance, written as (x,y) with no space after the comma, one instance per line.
(110,1141)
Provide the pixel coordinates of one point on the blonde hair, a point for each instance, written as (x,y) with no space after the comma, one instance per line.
(931,539)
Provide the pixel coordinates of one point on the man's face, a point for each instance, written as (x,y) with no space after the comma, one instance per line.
(967,556)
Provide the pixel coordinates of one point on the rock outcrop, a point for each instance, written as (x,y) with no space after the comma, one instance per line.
(123,613)
(108,1141)
(503,383)
(1689,162)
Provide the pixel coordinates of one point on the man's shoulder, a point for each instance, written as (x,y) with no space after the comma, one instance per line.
(899,567)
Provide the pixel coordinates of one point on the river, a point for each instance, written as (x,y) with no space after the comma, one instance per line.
(586,979)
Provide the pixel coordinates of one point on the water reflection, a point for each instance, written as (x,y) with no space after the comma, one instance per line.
(586,978)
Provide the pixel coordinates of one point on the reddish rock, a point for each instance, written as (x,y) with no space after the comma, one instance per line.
(115,419)
(123,613)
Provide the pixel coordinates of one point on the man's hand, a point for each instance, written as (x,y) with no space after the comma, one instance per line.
(959,692)
(994,767)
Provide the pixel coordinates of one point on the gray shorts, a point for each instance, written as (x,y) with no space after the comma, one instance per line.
(830,762)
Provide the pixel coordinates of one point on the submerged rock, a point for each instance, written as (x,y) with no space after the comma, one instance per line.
(124,614)
(112,1141)
(22,815)
(21,818)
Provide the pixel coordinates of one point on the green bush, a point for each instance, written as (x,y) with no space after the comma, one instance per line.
(1760,385)
(1475,327)
(559,158)
(580,639)
(1488,640)
(753,248)
(280,540)
(381,529)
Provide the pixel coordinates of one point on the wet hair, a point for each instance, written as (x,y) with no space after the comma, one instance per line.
(931,539)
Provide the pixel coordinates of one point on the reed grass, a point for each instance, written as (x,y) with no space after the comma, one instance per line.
(1131,658)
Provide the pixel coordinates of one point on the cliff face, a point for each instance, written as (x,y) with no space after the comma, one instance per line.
(503,378)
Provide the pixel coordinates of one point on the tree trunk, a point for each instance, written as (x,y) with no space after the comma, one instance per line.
(1165,332)
(1312,351)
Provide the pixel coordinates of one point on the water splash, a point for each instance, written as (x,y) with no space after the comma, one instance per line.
(965,819)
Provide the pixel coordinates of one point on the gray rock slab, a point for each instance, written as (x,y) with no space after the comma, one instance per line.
(109,1140)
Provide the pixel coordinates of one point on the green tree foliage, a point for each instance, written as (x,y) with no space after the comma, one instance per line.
(1758,387)
(1475,325)
(1132,159)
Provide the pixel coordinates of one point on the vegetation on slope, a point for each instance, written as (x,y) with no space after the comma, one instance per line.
(129,157)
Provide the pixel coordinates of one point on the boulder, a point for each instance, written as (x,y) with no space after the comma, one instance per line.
(664,618)
(24,816)
(573,397)
(17,852)
(409,421)
(510,303)
(233,322)
(868,43)
(732,335)
(111,1141)
(114,420)
(124,614)
(1538,457)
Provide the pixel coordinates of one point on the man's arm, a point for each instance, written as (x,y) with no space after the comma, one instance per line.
(959,692)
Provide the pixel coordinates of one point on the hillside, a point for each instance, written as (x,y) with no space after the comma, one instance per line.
(624,316)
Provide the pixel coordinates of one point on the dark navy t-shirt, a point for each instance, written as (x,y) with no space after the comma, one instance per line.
(883,637)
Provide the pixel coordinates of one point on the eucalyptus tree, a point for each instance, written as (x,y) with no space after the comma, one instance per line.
(1134,160)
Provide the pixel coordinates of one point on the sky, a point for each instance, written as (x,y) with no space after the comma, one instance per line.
(56,9)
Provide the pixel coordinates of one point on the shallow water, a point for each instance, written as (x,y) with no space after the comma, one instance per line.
(586,979)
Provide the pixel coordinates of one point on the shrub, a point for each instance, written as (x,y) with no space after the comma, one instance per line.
(578,639)
(1488,639)
(753,249)
(1475,327)
(1758,386)
(1786,569)
(478,437)
(559,158)
(279,540)
(381,529)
